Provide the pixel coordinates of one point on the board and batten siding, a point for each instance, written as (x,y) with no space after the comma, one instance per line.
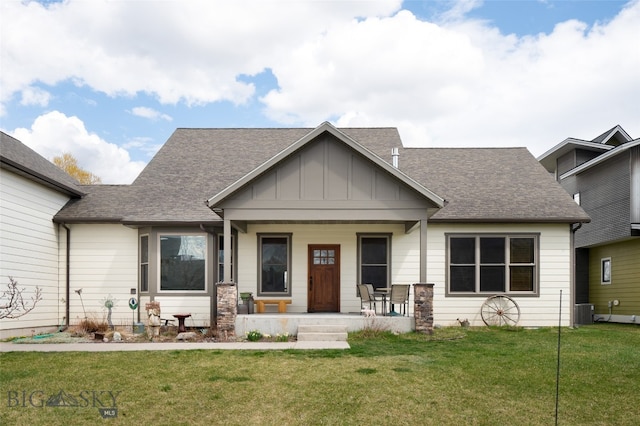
(625,278)
(554,275)
(104,262)
(29,247)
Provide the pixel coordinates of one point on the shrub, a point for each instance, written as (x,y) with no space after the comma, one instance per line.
(254,335)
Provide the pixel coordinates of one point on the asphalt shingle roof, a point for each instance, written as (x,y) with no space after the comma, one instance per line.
(479,184)
(21,159)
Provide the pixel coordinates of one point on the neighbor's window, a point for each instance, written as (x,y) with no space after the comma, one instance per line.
(182,262)
(576,198)
(144,263)
(221,253)
(606,271)
(374,260)
(274,263)
(492,264)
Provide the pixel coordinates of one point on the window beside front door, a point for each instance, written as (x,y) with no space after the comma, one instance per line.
(274,264)
(182,262)
(144,263)
(489,264)
(221,253)
(374,260)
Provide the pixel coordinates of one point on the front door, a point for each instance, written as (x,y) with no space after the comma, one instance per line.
(324,278)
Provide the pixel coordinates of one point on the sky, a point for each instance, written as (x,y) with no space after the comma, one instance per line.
(109,81)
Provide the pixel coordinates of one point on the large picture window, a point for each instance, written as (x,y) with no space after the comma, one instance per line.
(489,264)
(274,264)
(373,259)
(182,262)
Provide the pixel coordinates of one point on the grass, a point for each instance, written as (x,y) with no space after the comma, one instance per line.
(480,376)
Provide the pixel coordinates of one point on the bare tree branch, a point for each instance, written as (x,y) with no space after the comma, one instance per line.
(12,302)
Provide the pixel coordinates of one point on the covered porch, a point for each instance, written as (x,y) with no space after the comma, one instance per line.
(319,218)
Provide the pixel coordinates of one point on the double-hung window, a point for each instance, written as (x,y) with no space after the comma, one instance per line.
(221,254)
(183,262)
(374,260)
(489,264)
(144,263)
(274,264)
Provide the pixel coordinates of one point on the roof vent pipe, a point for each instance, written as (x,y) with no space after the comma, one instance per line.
(394,157)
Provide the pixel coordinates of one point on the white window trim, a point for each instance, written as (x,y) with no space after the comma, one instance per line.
(605,261)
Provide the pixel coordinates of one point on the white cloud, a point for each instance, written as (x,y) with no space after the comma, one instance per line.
(35,96)
(187,51)
(451,82)
(465,84)
(54,133)
(150,113)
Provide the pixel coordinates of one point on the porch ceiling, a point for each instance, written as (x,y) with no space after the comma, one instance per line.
(241,225)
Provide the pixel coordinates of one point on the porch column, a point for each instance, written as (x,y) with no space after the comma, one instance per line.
(227,251)
(423,251)
(423,307)
(227,310)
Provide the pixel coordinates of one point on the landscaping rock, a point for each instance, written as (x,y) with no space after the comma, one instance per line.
(189,335)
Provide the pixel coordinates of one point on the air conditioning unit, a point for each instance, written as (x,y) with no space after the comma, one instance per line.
(583,313)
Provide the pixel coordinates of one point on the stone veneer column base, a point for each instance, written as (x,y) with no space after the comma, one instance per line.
(227,311)
(423,307)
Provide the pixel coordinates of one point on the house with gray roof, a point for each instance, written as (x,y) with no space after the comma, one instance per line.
(303,215)
(603,177)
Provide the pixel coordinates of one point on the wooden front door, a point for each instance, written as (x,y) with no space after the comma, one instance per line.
(324,278)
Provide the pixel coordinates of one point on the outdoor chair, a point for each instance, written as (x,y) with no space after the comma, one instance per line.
(400,296)
(366,296)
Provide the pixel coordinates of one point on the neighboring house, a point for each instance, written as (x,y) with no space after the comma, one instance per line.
(603,176)
(32,192)
(306,214)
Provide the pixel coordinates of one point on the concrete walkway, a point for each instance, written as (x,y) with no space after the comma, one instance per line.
(173,346)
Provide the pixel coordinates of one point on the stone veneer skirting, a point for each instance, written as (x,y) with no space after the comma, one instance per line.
(227,311)
(423,307)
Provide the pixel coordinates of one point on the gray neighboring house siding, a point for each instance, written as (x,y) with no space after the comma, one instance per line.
(605,193)
(605,172)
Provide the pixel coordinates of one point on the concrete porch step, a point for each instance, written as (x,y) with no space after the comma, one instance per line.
(319,333)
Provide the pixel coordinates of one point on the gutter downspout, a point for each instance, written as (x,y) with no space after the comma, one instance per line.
(572,299)
(67,275)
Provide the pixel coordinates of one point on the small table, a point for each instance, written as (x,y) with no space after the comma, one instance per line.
(383,292)
(181,317)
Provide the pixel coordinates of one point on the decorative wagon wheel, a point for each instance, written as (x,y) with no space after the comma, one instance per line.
(500,310)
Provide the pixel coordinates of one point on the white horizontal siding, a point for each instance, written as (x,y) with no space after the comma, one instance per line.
(198,306)
(405,258)
(29,246)
(104,262)
(555,275)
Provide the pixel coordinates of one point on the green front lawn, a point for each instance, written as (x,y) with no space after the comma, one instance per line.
(461,377)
